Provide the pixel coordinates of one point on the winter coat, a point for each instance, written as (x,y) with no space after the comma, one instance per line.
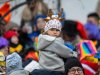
(51,52)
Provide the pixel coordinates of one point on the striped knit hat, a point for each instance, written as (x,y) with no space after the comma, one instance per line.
(53,23)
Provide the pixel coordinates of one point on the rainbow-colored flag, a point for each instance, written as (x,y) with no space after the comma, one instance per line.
(86,48)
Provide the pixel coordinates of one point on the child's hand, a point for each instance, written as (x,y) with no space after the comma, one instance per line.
(75,54)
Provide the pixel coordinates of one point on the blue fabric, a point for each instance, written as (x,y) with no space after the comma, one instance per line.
(97,55)
(68,44)
(93,31)
(34,34)
(37,17)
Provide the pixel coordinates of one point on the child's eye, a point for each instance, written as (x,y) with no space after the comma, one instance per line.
(53,29)
(57,30)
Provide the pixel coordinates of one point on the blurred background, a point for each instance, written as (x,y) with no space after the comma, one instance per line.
(73,9)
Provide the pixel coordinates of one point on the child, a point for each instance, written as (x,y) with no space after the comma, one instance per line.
(51,46)
(3,53)
(15,46)
(14,65)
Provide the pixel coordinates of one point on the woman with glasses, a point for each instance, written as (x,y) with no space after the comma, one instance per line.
(73,67)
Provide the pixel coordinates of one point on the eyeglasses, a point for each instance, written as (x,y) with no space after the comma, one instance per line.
(79,70)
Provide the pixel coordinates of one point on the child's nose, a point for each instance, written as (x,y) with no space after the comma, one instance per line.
(55,31)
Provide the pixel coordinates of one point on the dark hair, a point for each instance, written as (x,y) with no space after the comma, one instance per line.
(72,62)
(95,15)
(70,28)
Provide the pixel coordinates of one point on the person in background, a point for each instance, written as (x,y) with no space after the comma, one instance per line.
(93,18)
(39,25)
(4,51)
(93,28)
(12,26)
(14,45)
(39,22)
(72,32)
(73,67)
(14,65)
(33,8)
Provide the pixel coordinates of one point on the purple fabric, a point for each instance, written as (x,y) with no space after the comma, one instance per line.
(93,31)
(3,42)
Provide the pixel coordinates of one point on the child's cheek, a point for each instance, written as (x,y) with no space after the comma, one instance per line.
(14,40)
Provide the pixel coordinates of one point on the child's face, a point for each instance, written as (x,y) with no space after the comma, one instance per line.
(40,23)
(53,32)
(92,20)
(14,40)
(5,50)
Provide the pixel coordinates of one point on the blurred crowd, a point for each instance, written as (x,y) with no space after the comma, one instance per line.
(48,44)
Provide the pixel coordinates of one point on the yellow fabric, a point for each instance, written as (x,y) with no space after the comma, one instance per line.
(17,49)
(91,59)
(2,63)
(2,59)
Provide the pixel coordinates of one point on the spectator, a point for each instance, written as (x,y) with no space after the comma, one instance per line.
(72,32)
(93,18)
(12,26)
(73,67)
(15,46)
(14,65)
(3,53)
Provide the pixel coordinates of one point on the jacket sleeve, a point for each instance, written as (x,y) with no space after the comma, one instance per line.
(60,49)
(63,51)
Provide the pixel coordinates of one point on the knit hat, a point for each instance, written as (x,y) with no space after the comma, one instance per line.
(3,42)
(72,62)
(13,63)
(9,34)
(54,23)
